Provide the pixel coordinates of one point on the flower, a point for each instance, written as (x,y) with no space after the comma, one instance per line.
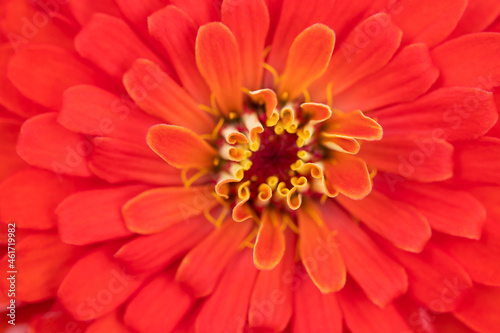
(251,165)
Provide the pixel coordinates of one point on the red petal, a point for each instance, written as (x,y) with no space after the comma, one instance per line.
(181,147)
(109,323)
(46,144)
(270,244)
(307,60)
(119,161)
(137,12)
(477,161)
(480,309)
(176,33)
(106,286)
(221,70)
(362,316)
(94,111)
(314,311)
(159,306)
(449,114)
(249,22)
(11,162)
(84,9)
(295,16)
(55,320)
(478,257)
(155,210)
(421,159)
(202,266)
(434,278)
(478,15)
(151,253)
(271,302)
(400,223)
(348,175)
(428,21)
(408,75)
(319,251)
(368,48)
(43,261)
(24,23)
(157,94)
(32,209)
(450,211)
(40,72)
(480,49)
(228,314)
(111,45)
(381,278)
(10,97)
(201,11)
(355,125)
(94,216)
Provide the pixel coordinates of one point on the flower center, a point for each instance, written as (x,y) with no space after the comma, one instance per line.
(274,154)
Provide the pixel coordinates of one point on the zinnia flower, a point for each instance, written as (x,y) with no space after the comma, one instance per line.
(251,165)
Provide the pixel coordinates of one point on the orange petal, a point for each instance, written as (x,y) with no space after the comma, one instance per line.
(265,97)
(319,251)
(218,59)
(146,311)
(316,112)
(381,278)
(434,278)
(181,147)
(419,159)
(44,143)
(94,111)
(152,253)
(94,216)
(40,72)
(109,323)
(362,316)
(176,33)
(159,95)
(106,286)
(120,161)
(341,144)
(221,313)
(202,266)
(111,44)
(357,56)
(157,209)
(355,125)
(479,310)
(314,311)
(308,58)
(400,223)
(271,302)
(35,209)
(249,22)
(44,261)
(348,175)
(270,244)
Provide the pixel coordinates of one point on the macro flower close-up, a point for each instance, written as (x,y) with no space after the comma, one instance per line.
(250,166)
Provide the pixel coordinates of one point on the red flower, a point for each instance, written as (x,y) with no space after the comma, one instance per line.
(251,165)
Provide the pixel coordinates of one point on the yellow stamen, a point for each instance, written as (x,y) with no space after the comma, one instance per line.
(307,96)
(266,51)
(213,104)
(288,222)
(247,241)
(329,98)
(272,182)
(274,72)
(208,110)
